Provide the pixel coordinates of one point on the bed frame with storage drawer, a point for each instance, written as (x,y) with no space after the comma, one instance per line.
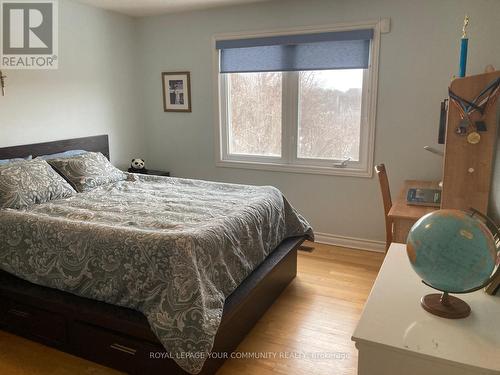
(119,337)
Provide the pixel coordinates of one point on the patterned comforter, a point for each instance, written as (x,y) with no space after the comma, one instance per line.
(173,249)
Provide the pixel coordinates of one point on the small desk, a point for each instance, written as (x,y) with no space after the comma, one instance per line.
(395,335)
(404,215)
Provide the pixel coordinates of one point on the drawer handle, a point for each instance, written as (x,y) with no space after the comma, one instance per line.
(123,349)
(21,314)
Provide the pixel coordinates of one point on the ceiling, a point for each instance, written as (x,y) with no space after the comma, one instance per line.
(139,8)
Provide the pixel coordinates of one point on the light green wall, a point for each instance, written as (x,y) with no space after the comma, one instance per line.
(92,92)
(418,58)
(109,82)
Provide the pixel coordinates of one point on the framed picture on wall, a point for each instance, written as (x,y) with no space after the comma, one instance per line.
(176,91)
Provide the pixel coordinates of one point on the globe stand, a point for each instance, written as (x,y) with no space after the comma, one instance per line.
(445,306)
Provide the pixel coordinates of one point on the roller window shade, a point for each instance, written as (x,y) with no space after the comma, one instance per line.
(333,50)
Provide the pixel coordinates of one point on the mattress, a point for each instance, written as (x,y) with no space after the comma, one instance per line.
(171,248)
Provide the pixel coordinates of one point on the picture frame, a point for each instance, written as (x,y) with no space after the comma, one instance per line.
(176,91)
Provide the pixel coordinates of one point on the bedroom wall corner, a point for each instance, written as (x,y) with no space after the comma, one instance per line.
(92,92)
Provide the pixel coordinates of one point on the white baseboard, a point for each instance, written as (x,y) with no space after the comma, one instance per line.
(355,243)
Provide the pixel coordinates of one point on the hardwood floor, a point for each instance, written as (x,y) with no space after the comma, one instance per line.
(315,316)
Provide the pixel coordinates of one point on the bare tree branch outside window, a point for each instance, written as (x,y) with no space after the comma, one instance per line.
(255,125)
(329,106)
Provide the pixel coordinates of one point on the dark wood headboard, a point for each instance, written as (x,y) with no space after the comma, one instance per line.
(98,143)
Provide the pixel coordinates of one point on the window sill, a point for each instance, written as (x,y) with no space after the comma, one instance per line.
(295,168)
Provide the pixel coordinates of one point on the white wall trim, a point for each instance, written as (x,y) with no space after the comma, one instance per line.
(294,168)
(353,242)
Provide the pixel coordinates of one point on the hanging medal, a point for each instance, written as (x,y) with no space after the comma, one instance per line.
(473,138)
(480,104)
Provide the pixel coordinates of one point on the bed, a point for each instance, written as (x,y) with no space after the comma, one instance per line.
(107,327)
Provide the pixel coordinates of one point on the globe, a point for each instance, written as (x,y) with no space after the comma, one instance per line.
(451,250)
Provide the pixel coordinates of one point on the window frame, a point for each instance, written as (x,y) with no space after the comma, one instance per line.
(289,161)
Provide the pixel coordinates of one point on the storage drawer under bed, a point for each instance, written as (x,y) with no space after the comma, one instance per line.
(33,321)
(114,349)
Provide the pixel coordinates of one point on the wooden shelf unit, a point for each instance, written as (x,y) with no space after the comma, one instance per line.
(468,167)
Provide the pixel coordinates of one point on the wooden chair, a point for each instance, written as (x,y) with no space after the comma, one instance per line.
(386,198)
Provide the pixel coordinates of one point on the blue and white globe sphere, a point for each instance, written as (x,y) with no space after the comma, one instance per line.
(451,250)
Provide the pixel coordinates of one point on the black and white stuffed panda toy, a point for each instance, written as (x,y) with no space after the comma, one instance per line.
(137,166)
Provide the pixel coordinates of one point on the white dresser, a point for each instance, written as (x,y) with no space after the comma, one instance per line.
(396,336)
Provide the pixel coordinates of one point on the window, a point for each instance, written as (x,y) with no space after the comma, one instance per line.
(330,114)
(254,126)
(299,102)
